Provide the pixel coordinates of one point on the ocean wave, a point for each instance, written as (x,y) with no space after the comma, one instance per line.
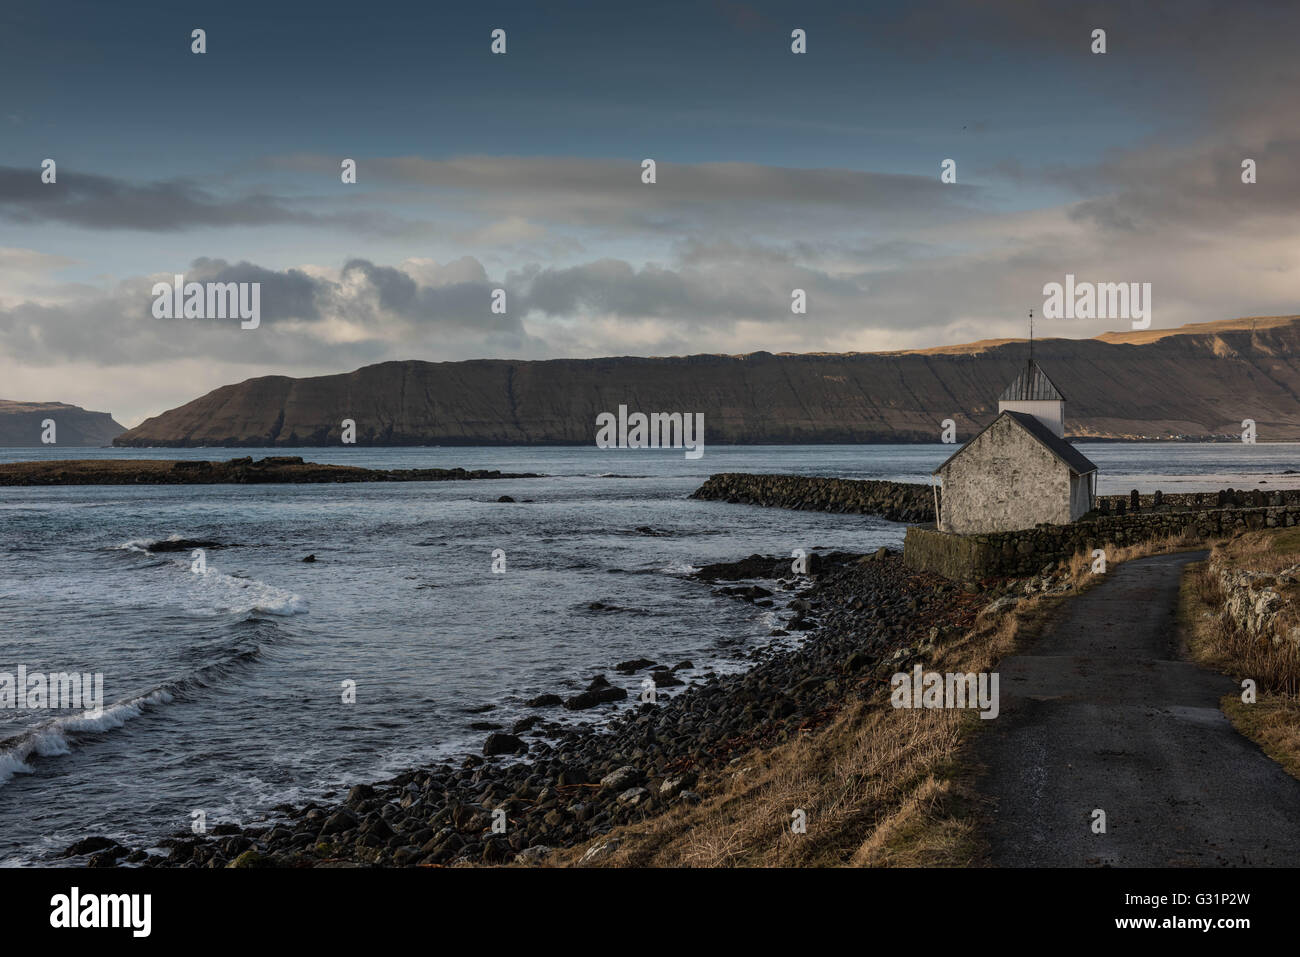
(229,593)
(57,736)
(217,591)
(143,545)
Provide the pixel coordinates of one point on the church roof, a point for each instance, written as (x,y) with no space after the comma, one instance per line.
(1032,385)
(1074,460)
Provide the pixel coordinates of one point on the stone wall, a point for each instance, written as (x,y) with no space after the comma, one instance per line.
(959,557)
(1026,552)
(896,501)
(1257,603)
(1197,501)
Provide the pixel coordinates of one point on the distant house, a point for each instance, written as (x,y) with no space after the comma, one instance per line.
(1018,471)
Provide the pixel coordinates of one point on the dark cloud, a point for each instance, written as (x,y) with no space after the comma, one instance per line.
(285,294)
(456,303)
(103,202)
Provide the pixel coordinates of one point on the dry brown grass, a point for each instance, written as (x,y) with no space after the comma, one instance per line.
(881,787)
(1216,642)
(1273,720)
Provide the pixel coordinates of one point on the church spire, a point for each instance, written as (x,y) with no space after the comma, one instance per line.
(1029,369)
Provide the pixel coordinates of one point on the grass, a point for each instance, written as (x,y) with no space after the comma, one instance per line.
(1273,720)
(881,787)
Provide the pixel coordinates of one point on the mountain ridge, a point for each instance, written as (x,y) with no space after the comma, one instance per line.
(1118,386)
(21,424)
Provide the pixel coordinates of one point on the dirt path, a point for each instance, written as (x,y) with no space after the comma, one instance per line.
(1105,713)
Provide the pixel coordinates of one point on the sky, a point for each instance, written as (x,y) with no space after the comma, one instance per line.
(522,171)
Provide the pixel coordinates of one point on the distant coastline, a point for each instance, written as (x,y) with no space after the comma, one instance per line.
(283,469)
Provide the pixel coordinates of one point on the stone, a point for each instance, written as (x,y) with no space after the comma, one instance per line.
(532,855)
(600,852)
(622,779)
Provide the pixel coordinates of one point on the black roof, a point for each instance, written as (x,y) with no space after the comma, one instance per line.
(1032,385)
(1075,460)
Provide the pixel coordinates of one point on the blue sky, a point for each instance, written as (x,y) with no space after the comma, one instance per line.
(521,172)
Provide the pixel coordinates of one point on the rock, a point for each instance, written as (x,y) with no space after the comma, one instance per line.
(532,855)
(502,743)
(251,858)
(505,498)
(589,699)
(107,857)
(524,724)
(857,661)
(338,822)
(636,664)
(622,779)
(375,826)
(634,796)
(999,605)
(676,784)
(405,856)
(88,845)
(310,558)
(544,701)
(600,852)
(359,794)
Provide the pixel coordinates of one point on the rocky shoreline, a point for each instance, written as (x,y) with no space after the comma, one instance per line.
(289,469)
(861,617)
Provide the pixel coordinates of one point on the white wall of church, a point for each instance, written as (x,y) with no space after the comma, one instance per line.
(1050,412)
(1005,480)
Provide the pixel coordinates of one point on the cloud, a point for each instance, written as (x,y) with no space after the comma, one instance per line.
(106,203)
(511,193)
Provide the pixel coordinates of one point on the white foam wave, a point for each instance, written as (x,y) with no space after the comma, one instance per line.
(52,738)
(146,544)
(228,593)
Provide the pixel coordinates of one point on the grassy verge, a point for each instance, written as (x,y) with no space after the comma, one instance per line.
(1273,720)
(879,786)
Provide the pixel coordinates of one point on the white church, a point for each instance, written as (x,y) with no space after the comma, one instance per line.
(1018,471)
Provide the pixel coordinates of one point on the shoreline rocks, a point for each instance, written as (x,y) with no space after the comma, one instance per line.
(874,617)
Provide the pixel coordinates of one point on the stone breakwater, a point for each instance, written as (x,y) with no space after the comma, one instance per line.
(862,618)
(896,501)
(1026,552)
(244,471)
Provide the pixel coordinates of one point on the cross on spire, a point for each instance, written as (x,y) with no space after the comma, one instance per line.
(1031,341)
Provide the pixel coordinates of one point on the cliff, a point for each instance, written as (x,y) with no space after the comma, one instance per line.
(1197,382)
(20,425)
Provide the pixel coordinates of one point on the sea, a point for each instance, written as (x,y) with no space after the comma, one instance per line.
(430,606)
